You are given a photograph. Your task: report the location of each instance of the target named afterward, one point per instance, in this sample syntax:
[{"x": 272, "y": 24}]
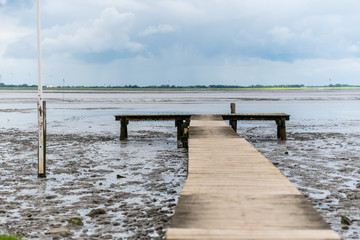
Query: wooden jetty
[
  {"x": 182, "y": 121},
  {"x": 233, "y": 192}
]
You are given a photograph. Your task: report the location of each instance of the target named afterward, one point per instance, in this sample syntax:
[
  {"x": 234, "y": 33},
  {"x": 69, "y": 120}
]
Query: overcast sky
[{"x": 182, "y": 42}]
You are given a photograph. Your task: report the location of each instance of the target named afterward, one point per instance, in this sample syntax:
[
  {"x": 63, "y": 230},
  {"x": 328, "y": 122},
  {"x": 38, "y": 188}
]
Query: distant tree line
[
  {"x": 209, "y": 86},
  {"x": 14, "y": 85},
  {"x": 2, "y": 85}
]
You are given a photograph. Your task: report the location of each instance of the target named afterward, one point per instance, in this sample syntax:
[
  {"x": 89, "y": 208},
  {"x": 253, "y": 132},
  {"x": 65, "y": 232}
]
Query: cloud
[
  {"x": 11, "y": 32},
  {"x": 187, "y": 39},
  {"x": 107, "y": 32},
  {"x": 353, "y": 48},
  {"x": 282, "y": 34},
  {"x": 161, "y": 28},
  {"x": 15, "y": 5}
]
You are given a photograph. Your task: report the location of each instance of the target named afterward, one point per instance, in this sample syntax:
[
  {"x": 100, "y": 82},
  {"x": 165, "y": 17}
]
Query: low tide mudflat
[{"x": 134, "y": 184}]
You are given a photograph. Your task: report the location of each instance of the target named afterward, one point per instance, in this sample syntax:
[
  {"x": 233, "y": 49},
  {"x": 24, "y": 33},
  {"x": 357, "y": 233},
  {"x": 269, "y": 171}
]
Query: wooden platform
[
  {"x": 234, "y": 192},
  {"x": 181, "y": 120}
]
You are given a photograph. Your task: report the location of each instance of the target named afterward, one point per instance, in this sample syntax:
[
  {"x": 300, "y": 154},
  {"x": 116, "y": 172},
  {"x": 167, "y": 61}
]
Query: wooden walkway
[{"x": 234, "y": 192}]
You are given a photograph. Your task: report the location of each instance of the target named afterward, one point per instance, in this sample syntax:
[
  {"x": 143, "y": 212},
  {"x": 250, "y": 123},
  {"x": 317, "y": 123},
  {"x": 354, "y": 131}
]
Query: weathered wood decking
[{"x": 234, "y": 192}]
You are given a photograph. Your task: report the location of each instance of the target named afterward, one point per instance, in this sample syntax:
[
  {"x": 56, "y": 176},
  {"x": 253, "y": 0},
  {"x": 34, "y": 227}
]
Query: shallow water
[{"x": 85, "y": 157}]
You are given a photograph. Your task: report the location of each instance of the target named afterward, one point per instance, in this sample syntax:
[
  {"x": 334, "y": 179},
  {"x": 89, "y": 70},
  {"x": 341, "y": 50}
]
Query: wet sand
[
  {"x": 129, "y": 190},
  {"x": 135, "y": 184}
]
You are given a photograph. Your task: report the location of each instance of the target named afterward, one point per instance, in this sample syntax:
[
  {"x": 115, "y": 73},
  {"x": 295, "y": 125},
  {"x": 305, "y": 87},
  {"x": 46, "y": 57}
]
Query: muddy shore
[
  {"x": 129, "y": 190},
  {"x": 136, "y": 183},
  {"x": 119, "y": 190}
]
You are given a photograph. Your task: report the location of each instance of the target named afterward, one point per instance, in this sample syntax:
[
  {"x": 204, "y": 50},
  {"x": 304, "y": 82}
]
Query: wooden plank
[
  {"x": 234, "y": 192},
  {"x": 234, "y": 116},
  {"x": 284, "y": 211},
  {"x": 255, "y": 116},
  {"x": 251, "y": 234},
  {"x": 153, "y": 117}
]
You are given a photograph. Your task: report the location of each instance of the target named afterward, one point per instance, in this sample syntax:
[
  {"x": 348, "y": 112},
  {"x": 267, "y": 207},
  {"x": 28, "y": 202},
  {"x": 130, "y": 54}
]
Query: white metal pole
[
  {"x": 39, "y": 51},
  {"x": 41, "y": 146}
]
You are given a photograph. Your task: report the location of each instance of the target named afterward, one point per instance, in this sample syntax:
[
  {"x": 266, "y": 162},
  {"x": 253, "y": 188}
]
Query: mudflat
[{"x": 129, "y": 189}]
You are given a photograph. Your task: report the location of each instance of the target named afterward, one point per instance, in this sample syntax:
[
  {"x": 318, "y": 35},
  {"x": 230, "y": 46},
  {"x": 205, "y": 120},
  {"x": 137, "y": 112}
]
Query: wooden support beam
[
  {"x": 255, "y": 116},
  {"x": 185, "y": 133},
  {"x": 42, "y": 142},
  {"x": 281, "y": 128},
  {"x": 278, "y": 128},
  {"x": 45, "y": 122},
  {"x": 180, "y": 129},
  {"x": 152, "y": 117},
  {"x": 123, "y": 129},
  {"x": 232, "y": 107},
  {"x": 233, "y": 123}
]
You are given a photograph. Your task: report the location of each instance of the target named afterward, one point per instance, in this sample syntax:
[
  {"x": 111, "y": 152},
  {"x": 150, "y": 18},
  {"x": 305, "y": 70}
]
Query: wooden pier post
[
  {"x": 278, "y": 128},
  {"x": 185, "y": 133},
  {"x": 233, "y": 123},
  {"x": 42, "y": 143},
  {"x": 281, "y": 128},
  {"x": 45, "y": 122},
  {"x": 123, "y": 129},
  {"x": 233, "y": 107},
  {"x": 180, "y": 129}
]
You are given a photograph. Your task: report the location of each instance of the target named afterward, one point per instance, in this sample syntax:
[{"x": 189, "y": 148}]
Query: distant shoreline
[{"x": 265, "y": 88}]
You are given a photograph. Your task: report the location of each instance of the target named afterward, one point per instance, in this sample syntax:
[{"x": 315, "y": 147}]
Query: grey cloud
[
  {"x": 198, "y": 35},
  {"x": 161, "y": 28},
  {"x": 16, "y": 4},
  {"x": 107, "y": 32}
]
